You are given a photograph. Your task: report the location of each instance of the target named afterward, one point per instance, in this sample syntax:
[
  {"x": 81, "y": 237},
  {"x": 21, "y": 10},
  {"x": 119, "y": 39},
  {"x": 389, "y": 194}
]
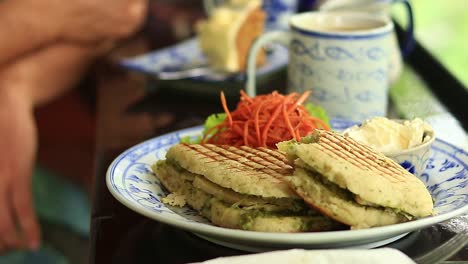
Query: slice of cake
[{"x": 225, "y": 38}]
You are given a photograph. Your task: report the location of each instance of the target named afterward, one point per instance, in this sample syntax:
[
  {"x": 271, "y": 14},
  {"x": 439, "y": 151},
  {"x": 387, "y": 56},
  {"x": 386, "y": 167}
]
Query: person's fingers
[
  {"x": 8, "y": 232},
  {"x": 25, "y": 216},
  {"x": 137, "y": 9},
  {"x": 135, "y": 15}
]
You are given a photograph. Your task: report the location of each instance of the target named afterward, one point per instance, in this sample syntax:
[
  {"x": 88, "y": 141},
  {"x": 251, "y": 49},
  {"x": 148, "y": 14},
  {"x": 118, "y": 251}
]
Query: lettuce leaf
[
  {"x": 214, "y": 120},
  {"x": 190, "y": 140},
  {"x": 211, "y": 121},
  {"x": 317, "y": 111}
]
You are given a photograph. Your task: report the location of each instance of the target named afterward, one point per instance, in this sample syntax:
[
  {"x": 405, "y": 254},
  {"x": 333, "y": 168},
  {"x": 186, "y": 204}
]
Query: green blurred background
[{"x": 442, "y": 27}]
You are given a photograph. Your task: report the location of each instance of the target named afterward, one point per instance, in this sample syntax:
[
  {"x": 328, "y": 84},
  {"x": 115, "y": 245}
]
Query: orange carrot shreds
[
  {"x": 244, "y": 96},
  {"x": 264, "y": 120},
  {"x": 301, "y": 99},
  {"x": 226, "y": 109},
  {"x": 287, "y": 121}
]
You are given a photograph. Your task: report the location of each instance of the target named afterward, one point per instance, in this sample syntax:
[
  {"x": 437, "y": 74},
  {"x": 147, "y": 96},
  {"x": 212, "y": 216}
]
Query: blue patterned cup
[
  {"x": 341, "y": 57},
  {"x": 381, "y": 8}
]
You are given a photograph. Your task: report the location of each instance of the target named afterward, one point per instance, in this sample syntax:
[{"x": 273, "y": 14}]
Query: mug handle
[
  {"x": 408, "y": 41},
  {"x": 279, "y": 37}
]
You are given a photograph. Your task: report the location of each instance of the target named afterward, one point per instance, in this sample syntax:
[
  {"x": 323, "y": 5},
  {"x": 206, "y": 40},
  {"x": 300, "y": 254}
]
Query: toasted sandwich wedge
[
  {"x": 353, "y": 184},
  {"x": 239, "y": 187}
]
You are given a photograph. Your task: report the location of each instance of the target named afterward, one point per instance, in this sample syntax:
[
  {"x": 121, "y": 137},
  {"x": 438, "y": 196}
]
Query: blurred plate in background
[{"x": 187, "y": 55}]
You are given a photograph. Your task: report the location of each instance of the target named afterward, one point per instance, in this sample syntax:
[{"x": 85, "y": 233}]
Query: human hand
[
  {"x": 18, "y": 224},
  {"x": 31, "y": 80},
  {"x": 31, "y": 25},
  {"x": 83, "y": 21},
  {"x": 90, "y": 21}
]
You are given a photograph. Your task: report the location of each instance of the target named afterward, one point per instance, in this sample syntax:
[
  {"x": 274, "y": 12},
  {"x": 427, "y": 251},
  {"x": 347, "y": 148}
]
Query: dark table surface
[{"x": 126, "y": 115}]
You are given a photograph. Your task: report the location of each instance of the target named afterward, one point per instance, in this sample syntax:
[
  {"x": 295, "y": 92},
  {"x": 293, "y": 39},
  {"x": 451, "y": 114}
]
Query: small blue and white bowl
[{"x": 414, "y": 159}]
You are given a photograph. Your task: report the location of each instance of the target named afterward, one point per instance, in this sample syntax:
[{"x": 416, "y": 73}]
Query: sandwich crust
[
  {"x": 374, "y": 179},
  {"x": 228, "y": 215},
  {"x": 337, "y": 203},
  {"x": 225, "y": 216},
  {"x": 244, "y": 200},
  {"x": 243, "y": 169}
]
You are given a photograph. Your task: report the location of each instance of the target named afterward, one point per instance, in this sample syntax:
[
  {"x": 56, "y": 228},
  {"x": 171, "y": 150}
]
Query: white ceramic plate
[
  {"x": 131, "y": 181},
  {"x": 177, "y": 57}
]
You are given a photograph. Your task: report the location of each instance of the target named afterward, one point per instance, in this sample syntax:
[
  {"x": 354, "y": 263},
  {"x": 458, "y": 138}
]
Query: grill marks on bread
[
  {"x": 375, "y": 179},
  {"x": 361, "y": 156},
  {"x": 261, "y": 160},
  {"x": 254, "y": 171}
]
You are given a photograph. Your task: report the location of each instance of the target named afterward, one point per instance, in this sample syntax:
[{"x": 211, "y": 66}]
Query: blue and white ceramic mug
[
  {"x": 341, "y": 57},
  {"x": 381, "y": 8}
]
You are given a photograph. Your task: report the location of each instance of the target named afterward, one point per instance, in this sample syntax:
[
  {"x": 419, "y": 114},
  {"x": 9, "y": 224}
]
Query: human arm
[
  {"x": 23, "y": 85},
  {"x": 44, "y": 75},
  {"x": 18, "y": 225},
  {"x": 28, "y": 25},
  {"x": 34, "y": 71},
  {"x": 21, "y": 30}
]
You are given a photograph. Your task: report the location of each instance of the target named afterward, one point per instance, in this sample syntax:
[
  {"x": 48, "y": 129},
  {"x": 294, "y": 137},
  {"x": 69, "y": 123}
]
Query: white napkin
[{"x": 329, "y": 256}]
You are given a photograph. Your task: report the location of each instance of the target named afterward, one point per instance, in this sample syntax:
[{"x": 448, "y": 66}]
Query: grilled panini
[
  {"x": 239, "y": 187},
  {"x": 352, "y": 183}
]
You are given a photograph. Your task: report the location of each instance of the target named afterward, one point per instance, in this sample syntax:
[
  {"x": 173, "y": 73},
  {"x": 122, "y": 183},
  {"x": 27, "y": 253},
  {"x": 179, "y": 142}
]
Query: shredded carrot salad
[{"x": 264, "y": 120}]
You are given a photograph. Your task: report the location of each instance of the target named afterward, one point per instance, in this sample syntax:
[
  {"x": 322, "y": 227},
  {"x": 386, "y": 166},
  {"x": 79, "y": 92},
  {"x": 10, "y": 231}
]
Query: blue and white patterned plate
[
  {"x": 131, "y": 181},
  {"x": 178, "y": 57}
]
